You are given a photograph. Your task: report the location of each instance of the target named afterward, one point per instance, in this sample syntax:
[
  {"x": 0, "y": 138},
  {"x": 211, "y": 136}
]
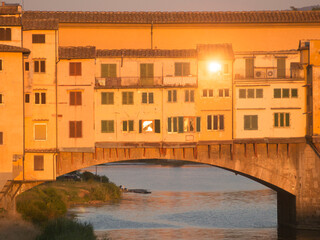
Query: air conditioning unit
[
  {"x": 259, "y": 74},
  {"x": 271, "y": 73}
]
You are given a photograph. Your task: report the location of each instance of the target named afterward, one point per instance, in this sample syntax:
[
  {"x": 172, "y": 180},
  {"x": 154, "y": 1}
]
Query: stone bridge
[{"x": 291, "y": 167}]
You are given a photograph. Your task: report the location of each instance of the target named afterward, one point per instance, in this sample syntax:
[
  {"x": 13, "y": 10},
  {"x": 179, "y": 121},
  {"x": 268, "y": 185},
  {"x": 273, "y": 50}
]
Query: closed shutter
[
  {"x": 38, "y": 163},
  {"x": 103, "y": 98},
  {"x": 36, "y": 66},
  {"x": 276, "y": 119},
  {"x": 72, "y": 98},
  {"x": 1, "y": 138},
  {"x": 175, "y": 124},
  {"x": 103, "y": 126},
  {"x": 204, "y": 92},
  {"x": 79, "y": 129},
  {"x": 169, "y": 125},
  {"x": 43, "y": 66},
  {"x": 186, "y": 96},
  {"x": 281, "y": 67},
  {"x": 157, "y": 126},
  {"x": 294, "y": 92},
  {"x": 180, "y": 124},
  {"x": 247, "y": 124},
  {"x": 110, "y": 98},
  {"x": 43, "y": 98},
  {"x": 140, "y": 126},
  {"x": 198, "y": 124},
  {"x": 130, "y": 100},
  {"x": 242, "y": 93},
  {"x": 151, "y": 97},
  {"x": 8, "y": 34},
  {"x": 221, "y": 122},
  {"x": 72, "y": 127},
  {"x": 169, "y": 96},
  {"x": 1, "y": 65},
  {"x": 259, "y": 93},
  {"x": 186, "y": 69},
  {"x": 79, "y": 70},
  {"x": 174, "y": 97},
  {"x": 111, "y": 126},
  {"x": 192, "y": 96},
  {"x": 215, "y": 122},
  {"x": 113, "y": 70},
  {"x": 249, "y": 68},
  {"x": 277, "y": 93},
  {"x": 178, "y": 69},
  {"x": 131, "y": 125},
  {"x": 254, "y": 122},
  {"x": 146, "y": 74},
  {"x": 144, "y": 97},
  {"x": 71, "y": 69},
  {"x": 285, "y": 92},
  {"x": 104, "y": 70},
  {"x": 124, "y": 98},
  {"x": 124, "y": 126},
  {"x": 281, "y": 119},
  {"x": 209, "y": 122},
  {"x": 250, "y": 93},
  {"x": 287, "y": 119},
  {"x": 37, "y": 98}
]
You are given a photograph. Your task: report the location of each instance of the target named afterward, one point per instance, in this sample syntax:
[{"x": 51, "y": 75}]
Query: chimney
[{"x": 3, "y": 4}]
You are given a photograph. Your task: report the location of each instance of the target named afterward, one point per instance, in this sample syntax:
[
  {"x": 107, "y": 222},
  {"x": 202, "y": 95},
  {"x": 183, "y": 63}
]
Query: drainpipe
[
  {"x": 56, "y": 92},
  {"x": 152, "y": 35},
  {"x": 23, "y": 104}
]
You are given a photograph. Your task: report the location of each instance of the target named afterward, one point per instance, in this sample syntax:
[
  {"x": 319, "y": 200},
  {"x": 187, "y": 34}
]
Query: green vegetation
[{"x": 65, "y": 229}]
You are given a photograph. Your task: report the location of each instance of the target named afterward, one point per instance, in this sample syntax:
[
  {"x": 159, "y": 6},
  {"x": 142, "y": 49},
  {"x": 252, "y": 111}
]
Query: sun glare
[{"x": 214, "y": 67}]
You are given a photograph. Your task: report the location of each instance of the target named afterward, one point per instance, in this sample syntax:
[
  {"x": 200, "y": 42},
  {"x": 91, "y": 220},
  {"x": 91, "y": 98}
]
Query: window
[
  {"x": 40, "y": 131},
  {"x": 1, "y": 138},
  {"x": 149, "y": 126},
  {"x": 39, "y": 66},
  {"x": 27, "y": 98},
  {"x": 281, "y": 119},
  {"x": 224, "y": 92},
  {"x": 40, "y": 98},
  {"x": 108, "y": 70},
  {"x": 75, "y": 98},
  {"x": 5, "y": 34},
  {"x": 189, "y": 95},
  {"x": 250, "y": 122},
  {"x": 281, "y": 67},
  {"x": 26, "y": 66},
  {"x": 128, "y": 126},
  {"x": 207, "y": 93},
  {"x": 0, "y": 64},
  {"x": 107, "y": 98},
  {"x": 75, "y": 129},
  {"x": 75, "y": 69},
  {"x": 173, "y": 124},
  {"x": 107, "y": 126},
  {"x": 188, "y": 124},
  {"x": 215, "y": 122},
  {"x": 251, "y": 93},
  {"x": 259, "y": 93},
  {"x": 146, "y": 74},
  {"x": 242, "y": 93},
  {"x": 285, "y": 93},
  {"x": 38, "y": 38},
  {"x": 249, "y": 67},
  {"x": 181, "y": 69},
  {"x": 147, "y": 97},
  {"x": 127, "y": 98},
  {"x": 38, "y": 162},
  {"x": 1, "y": 98},
  {"x": 172, "y": 95}
]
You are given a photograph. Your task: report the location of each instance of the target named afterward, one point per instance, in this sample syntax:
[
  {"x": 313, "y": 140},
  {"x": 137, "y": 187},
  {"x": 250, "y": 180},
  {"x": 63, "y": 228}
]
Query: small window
[
  {"x": 38, "y": 38},
  {"x": 75, "y": 98},
  {"x": 107, "y": 126},
  {"x": 281, "y": 119},
  {"x": 108, "y": 70},
  {"x": 38, "y": 162},
  {"x": 146, "y": 74},
  {"x": 1, "y": 98},
  {"x": 107, "y": 98},
  {"x": 277, "y": 93},
  {"x": 147, "y": 126},
  {"x": 189, "y": 96},
  {"x": 40, "y": 132},
  {"x": 181, "y": 69},
  {"x": 1, "y": 138},
  {"x": 0, "y": 64},
  {"x": 172, "y": 95},
  {"x": 259, "y": 93},
  {"x": 242, "y": 93},
  {"x": 204, "y": 92},
  {"x": 5, "y": 34},
  {"x": 294, "y": 92},
  {"x": 39, "y": 66},
  {"x": 75, "y": 129},
  {"x": 144, "y": 97},
  {"x": 210, "y": 92},
  {"x": 226, "y": 92},
  {"x": 128, "y": 126},
  {"x": 220, "y": 92},
  {"x": 250, "y": 122},
  {"x": 127, "y": 98},
  {"x": 27, "y": 98},
  {"x": 75, "y": 69},
  {"x": 40, "y": 98},
  {"x": 250, "y": 93},
  {"x": 215, "y": 122},
  {"x": 285, "y": 92},
  {"x": 26, "y": 66}
]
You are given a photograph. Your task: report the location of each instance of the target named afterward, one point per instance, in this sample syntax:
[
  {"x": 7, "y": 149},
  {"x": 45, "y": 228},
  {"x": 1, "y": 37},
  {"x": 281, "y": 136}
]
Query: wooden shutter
[
  {"x": 143, "y": 70},
  {"x": 276, "y": 119},
  {"x": 1, "y": 138},
  {"x": 40, "y": 132},
  {"x": 103, "y": 98},
  {"x": 125, "y": 126},
  {"x": 43, "y": 66},
  {"x": 27, "y": 66},
  {"x": 285, "y": 92},
  {"x": 144, "y": 97},
  {"x": 2, "y": 34},
  {"x": 43, "y": 98},
  {"x": 178, "y": 69},
  {"x": 72, "y": 98},
  {"x": 27, "y": 98},
  {"x": 131, "y": 125},
  {"x": 169, "y": 125},
  {"x": 78, "y": 98},
  {"x": 180, "y": 124},
  {"x": 140, "y": 126},
  {"x": 104, "y": 70},
  {"x": 78, "y": 69},
  {"x": 185, "y": 69},
  {"x": 259, "y": 93},
  {"x": 215, "y": 122},
  {"x": 175, "y": 124},
  {"x": 186, "y": 96},
  {"x": 242, "y": 93},
  {"x": 204, "y": 92},
  {"x": 281, "y": 119},
  {"x": 157, "y": 126},
  {"x": 198, "y": 124},
  {"x": 169, "y": 95},
  {"x": 79, "y": 129},
  {"x": 191, "y": 95},
  {"x": 287, "y": 119},
  {"x": 8, "y": 34},
  {"x": 277, "y": 93},
  {"x": 71, "y": 69},
  {"x": 221, "y": 122},
  {"x": 254, "y": 122},
  {"x": 103, "y": 126},
  {"x": 112, "y": 70},
  {"x": 111, "y": 126},
  {"x": 36, "y": 66},
  {"x": 37, "y": 98},
  {"x": 294, "y": 92},
  {"x": 281, "y": 67},
  {"x": 124, "y": 98},
  {"x": 249, "y": 67},
  {"x": 209, "y": 122},
  {"x": 38, "y": 162},
  {"x": 72, "y": 127},
  {"x": 174, "y": 95},
  {"x": 151, "y": 97},
  {"x": 130, "y": 98},
  {"x": 247, "y": 124},
  {"x": 111, "y": 98},
  {"x": 250, "y": 93}
]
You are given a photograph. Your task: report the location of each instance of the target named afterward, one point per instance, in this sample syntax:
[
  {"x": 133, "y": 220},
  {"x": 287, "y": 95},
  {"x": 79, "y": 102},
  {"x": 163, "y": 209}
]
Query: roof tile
[
  {"x": 143, "y": 53},
  {"x": 10, "y": 21},
  {"x": 9, "y": 48},
  {"x": 87, "y": 52},
  {"x": 41, "y": 24}
]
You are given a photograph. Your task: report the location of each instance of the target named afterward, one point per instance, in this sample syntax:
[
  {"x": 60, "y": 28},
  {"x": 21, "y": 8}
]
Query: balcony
[{"x": 137, "y": 82}]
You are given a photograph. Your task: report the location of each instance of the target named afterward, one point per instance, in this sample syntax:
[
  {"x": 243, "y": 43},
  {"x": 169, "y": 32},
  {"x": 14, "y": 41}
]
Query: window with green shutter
[
  {"x": 107, "y": 98},
  {"x": 157, "y": 128},
  {"x": 250, "y": 122},
  {"x": 107, "y": 126},
  {"x": 180, "y": 124},
  {"x": 209, "y": 122},
  {"x": 131, "y": 125},
  {"x": 169, "y": 124},
  {"x": 259, "y": 93},
  {"x": 285, "y": 92},
  {"x": 281, "y": 119},
  {"x": 242, "y": 93},
  {"x": 281, "y": 67},
  {"x": 150, "y": 97},
  {"x": 108, "y": 70},
  {"x": 250, "y": 93},
  {"x": 127, "y": 126},
  {"x": 144, "y": 97},
  {"x": 198, "y": 124},
  {"x": 181, "y": 69},
  {"x": 294, "y": 92},
  {"x": 276, "y": 119},
  {"x": 277, "y": 93},
  {"x": 249, "y": 67},
  {"x": 175, "y": 124},
  {"x": 127, "y": 98},
  {"x": 146, "y": 74},
  {"x": 287, "y": 119}
]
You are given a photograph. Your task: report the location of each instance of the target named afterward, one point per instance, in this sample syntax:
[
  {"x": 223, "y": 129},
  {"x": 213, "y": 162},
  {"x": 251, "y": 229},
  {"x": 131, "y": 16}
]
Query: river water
[{"x": 190, "y": 202}]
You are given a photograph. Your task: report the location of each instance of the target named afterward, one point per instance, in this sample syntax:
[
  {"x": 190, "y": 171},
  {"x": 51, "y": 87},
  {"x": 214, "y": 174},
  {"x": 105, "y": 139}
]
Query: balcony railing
[
  {"x": 272, "y": 73},
  {"x": 119, "y": 82}
]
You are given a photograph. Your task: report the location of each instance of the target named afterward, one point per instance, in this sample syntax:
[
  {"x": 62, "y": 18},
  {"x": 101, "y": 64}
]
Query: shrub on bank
[
  {"x": 88, "y": 176},
  {"x": 41, "y": 205},
  {"x": 66, "y": 229}
]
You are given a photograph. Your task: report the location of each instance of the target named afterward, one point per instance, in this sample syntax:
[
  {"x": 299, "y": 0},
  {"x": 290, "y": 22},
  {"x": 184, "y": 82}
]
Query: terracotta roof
[
  {"x": 10, "y": 21},
  {"x": 40, "y": 24},
  {"x": 184, "y": 53},
  {"x": 179, "y": 17},
  {"x": 9, "y": 9},
  {"x": 9, "y": 48},
  {"x": 215, "y": 51},
  {"x": 77, "y": 52}
]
